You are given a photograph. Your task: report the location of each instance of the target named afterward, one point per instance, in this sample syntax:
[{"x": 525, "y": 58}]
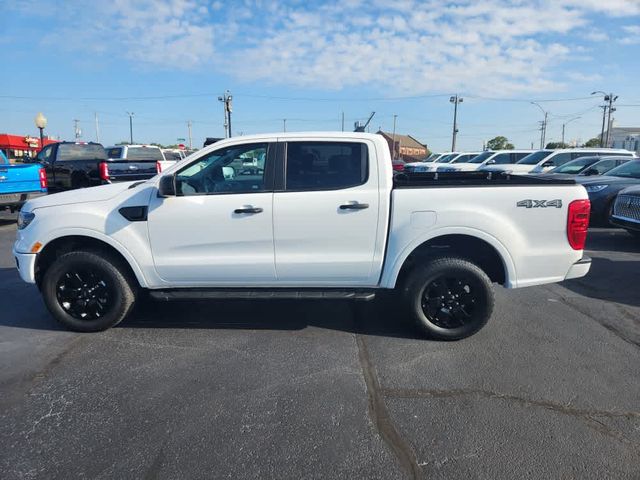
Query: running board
[{"x": 261, "y": 294}]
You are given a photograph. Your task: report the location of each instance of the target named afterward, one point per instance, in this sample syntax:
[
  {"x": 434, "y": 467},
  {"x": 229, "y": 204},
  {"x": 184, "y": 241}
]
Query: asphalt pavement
[{"x": 302, "y": 389}]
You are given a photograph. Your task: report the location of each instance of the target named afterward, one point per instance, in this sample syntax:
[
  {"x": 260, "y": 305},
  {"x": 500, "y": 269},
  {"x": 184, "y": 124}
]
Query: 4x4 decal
[{"x": 539, "y": 203}]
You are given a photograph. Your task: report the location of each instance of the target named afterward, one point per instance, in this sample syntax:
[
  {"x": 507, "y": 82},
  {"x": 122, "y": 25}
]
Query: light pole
[
  {"x": 393, "y": 140},
  {"x": 131, "y": 114},
  {"x": 566, "y": 123},
  {"x": 41, "y": 123},
  {"x": 455, "y": 100},
  {"x": 543, "y": 128}
]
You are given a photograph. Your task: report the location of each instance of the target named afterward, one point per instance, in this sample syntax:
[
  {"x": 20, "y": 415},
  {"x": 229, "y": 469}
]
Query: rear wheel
[
  {"x": 450, "y": 298},
  {"x": 88, "y": 291}
]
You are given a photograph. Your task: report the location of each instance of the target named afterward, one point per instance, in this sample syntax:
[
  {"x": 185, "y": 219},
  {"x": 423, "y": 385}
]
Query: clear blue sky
[{"x": 168, "y": 60}]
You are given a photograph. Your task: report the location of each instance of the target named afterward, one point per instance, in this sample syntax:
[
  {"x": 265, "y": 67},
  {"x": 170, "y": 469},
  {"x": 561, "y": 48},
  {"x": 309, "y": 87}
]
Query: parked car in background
[
  {"x": 324, "y": 218},
  {"x": 626, "y": 210},
  {"x": 603, "y": 189},
  {"x": 487, "y": 158},
  {"x": 141, "y": 153},
  {"x": 589, "y": 165},
  {"x": 443, "y": 159},
  {"x": 544, "y": 160},
  {"x": 174, "y": 154},
  {"x": 19, "y": 183},
  {"x": 71, "y": 165}
]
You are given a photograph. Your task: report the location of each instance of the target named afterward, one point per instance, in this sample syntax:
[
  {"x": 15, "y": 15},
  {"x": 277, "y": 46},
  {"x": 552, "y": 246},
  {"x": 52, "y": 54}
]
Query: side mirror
[
  {"x": 167, "y": 186},
  {"x": 491, "y": 162},
  {"x": 548, "y": 163},
  {"x": 590, "y": 171}
]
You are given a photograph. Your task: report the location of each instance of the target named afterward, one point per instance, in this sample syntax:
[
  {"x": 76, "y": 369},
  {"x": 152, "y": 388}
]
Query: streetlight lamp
[
  {"x": 41, "y": 123},
  {"x": 543, "y": 127},
  {"x": 455, "y": 100},
  {"x": 566, "y": 123}
]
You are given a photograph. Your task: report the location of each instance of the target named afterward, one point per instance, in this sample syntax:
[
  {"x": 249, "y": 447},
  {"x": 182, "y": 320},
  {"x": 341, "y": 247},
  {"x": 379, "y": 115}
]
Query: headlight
[
  {"x": 595, "y": 188},
  {"x": 24, "y": 219}
]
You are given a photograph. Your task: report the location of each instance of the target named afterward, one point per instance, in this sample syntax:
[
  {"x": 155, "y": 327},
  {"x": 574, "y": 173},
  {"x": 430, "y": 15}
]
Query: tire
[
  {"x": 452, "y": 317},
  {"x": 88, "y": 291}
]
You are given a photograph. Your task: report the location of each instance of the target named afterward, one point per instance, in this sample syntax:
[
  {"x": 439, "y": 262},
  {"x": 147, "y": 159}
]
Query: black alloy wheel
[
  {"x": 85, "y": 294},
  {"x": 450, "y": 301}
]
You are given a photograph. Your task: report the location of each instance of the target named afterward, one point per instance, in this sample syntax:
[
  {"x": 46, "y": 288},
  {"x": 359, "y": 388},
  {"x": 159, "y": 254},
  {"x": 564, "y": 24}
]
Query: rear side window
[
  {"x": 517, "y": 156},
  {"x": 326, "y": 165},
  {"x": 502, "y": 158}
]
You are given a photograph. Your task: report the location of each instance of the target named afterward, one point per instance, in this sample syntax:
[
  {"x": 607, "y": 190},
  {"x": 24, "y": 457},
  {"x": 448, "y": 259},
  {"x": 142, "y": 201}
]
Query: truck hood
[{"x": 82, "y": 195}]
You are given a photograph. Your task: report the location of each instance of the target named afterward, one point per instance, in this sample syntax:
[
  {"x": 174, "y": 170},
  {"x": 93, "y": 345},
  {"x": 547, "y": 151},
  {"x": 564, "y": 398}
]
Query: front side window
[
  {"x": 560, "y": 159},
  {"x": 236, "y": 169},
  {"x": 326, "y": 165},
  {"x": 604, "y": 166},
  {"x": 502, "y": 159}
]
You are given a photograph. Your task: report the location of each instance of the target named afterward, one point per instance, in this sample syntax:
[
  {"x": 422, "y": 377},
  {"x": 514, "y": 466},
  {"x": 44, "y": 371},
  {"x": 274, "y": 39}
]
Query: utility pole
[
  {"x": 97, "y": 128},
  {"x": 76, "y": 128},
  {"x": 227, "y": 100},
  {"x": 190, "y": 138},
  {"x": 343, "y": 121},
  {"x": 284, "y": 124},
  {"x": 131, "y": 114},
  {"x": 393, "y": 153},
  {"x": 606, "y": 115},
  {"x": 543, "y": 124},
  {"x": 455, "y": 100}
]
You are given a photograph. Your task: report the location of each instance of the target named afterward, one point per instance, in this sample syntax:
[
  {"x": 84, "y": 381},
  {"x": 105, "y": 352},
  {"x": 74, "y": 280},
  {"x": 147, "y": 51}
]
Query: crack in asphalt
[
  {"x": 380, "y": 417},
  {"x": 589, "y": 416}
]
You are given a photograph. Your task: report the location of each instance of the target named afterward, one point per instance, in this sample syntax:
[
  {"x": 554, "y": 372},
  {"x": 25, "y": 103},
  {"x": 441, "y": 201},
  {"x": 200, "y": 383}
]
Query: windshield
[
  {"x": 89, "y": 151},
  {"x": 144, "y": 153},
  {"x": 628, "y": 170},
  {"x": 482, "y": 157},
  {"x": 535, "y": 157},
  {"x": 575, "y": 166}
]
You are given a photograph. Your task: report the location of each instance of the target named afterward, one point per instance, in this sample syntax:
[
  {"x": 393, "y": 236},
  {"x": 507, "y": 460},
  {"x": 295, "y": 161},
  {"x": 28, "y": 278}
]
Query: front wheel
[
  {"x": 450, "y": 298},
  {"x": 88, "y": 291}
]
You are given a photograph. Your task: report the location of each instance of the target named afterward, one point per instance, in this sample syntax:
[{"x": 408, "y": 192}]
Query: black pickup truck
[{"x": 71, "y": 165}]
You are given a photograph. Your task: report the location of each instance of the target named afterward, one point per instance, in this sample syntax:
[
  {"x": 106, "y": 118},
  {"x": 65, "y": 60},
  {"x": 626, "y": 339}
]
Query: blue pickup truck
[{"x": 19, "y": 183}]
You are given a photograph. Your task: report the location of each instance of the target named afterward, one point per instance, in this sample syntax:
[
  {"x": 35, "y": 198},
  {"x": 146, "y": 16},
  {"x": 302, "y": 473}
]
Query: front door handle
[
  {"x": 248, "y": 210},
  {"x": 354, "y": 206}
]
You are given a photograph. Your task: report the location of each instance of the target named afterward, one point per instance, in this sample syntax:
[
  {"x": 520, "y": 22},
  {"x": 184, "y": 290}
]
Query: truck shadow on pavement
[
  {"x": 380, "y": 317},
  {"x": 610, "y": 280},
  {"x": 611, "y": 240}
]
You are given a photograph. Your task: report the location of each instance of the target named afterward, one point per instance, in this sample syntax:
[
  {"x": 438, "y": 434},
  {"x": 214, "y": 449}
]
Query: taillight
[
  {"x": 398, "y": 167},
  {"x": 158, "y": 167},
  {"x": 42, "y": 174},
  {"x": 104, "y": 171},
  {"x": 578, "y": 223}
]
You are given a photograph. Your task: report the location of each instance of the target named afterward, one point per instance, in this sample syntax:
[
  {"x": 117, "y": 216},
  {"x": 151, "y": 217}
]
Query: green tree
[
  {"x": 499, "y": 143},
  {"x": 594, "y": 142},
  {"x": 557, "y": 145}
]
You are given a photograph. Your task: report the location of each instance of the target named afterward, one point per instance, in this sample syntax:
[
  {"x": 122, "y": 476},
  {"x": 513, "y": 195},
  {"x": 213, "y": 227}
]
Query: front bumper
[
  {"x": 625, "y": 223},
  {"x": 26, "y": 264},
  {"x": 579, "y": 269}
]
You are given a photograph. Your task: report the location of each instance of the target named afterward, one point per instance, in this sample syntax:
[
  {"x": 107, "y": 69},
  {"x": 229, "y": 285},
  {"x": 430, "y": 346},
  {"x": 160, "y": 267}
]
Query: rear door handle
[
  {"x": 248, "y": 210},
  {"x": 354, "y": 206}
]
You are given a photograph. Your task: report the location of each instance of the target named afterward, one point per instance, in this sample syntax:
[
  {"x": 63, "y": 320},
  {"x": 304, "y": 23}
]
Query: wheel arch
[
  {"x": 85, "y": 241},
  {"x": 477, "y": 246}
]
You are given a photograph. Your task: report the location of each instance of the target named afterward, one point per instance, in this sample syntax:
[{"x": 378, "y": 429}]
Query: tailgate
[
  {"x": 19, "y": 178},
  {"x": 125, "y": 171}
]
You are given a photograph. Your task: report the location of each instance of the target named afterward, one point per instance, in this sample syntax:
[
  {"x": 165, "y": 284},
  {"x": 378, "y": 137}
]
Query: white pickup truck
[{"x": 323, "y": 218}]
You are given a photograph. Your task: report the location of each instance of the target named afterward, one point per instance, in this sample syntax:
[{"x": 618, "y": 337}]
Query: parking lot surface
[{"x": 549, "y": 389}]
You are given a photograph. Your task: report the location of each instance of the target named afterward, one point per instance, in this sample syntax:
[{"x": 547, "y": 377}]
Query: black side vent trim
[{"x": 134, "y": 214}]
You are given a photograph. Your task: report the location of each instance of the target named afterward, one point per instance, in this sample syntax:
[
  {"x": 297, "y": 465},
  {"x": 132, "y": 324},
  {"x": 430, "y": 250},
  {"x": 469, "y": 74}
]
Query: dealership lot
[{"x": 329, "y": 389}]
